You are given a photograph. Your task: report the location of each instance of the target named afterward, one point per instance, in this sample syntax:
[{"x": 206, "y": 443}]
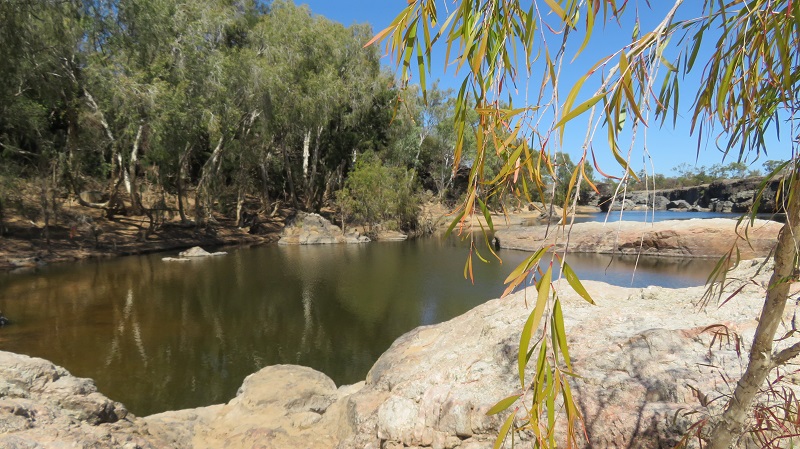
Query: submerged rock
[{"x": 646, "y": 358}]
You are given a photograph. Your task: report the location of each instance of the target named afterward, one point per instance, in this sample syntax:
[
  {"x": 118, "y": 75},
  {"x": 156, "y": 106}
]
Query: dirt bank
[{"x": 84, "y": 233}]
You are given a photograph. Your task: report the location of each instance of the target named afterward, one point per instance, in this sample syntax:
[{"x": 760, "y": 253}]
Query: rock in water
[{"x": 199, "y": 252}]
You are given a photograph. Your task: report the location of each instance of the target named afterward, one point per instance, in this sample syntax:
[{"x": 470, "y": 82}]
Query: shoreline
[{"x": 19, "y": 252}]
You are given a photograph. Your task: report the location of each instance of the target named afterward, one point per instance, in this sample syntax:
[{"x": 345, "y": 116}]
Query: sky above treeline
[{"x": 658, "y": 149}]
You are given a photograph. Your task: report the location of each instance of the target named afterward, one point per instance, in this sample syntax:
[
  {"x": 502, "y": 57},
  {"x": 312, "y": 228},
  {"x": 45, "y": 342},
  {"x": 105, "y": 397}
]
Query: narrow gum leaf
[
  {"x": 453, "y": 224},
  {"x": 557, "y": 9},
  {"x": 560, "y": 332},
  {"x": 580, "y": 109},
  {"x": 486, "y": 215},
  {"x": 533, "y": 322},
  {"x": 576, "y": 284},
  {"x": 502, "y": 405},
  {"x": 501, "y": 436}
]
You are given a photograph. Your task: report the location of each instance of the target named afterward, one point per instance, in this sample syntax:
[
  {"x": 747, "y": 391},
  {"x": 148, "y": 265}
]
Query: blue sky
[{"x": 667, "y": 147}]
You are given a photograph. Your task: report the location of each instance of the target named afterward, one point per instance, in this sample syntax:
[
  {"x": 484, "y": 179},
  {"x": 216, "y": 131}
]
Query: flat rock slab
[{"x": 673, "y": 238}]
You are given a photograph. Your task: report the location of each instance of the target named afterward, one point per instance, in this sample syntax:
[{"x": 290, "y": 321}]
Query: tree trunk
[
  {"x": 289, "y": 177},
  {"x": 2, "y": 219},
  {"x": 130, "y": 181},
  {"x": 306, "y": 146},
  {"x": 182, "y": 162},
  {"x": 311, "y": 184},
  {"x": 416, "y": 158},
  {"x": 762, "y": 361},
  {"x": 116, "y": 157},
  {"x": 264, "y": 171},
  {"x": 45, "y": 210},
  {"x": 202, "y": 194}
]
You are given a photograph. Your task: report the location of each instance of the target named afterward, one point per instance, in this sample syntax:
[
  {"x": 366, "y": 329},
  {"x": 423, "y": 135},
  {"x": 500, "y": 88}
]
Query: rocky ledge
[
  {"x": 647, "y": 359},
  {"x": 672, "y": 238},
  {"x": 729, "y": 195}
]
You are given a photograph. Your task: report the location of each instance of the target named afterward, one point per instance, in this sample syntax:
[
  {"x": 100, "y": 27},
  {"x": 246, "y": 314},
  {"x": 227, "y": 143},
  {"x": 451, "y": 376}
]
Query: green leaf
[
  {"x": 557, "y": 9},
  {"x": 501, "y": 436},
  {"x": 560, "y": 333},
  {"x": 454, "y": 223},
  {"x": 580, "y": 109},
  {"x": 533, "y": 322},
  {"x": 486, "y": 215},
  {"x": 502, "y": 405},
  {"x": 576, "y": 284}
]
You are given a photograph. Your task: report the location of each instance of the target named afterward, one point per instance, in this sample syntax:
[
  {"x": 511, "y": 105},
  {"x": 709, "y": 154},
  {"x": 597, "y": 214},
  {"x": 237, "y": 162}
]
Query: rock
[
  {"x": 684, "y": 238},
  {"x": 355, "y": 237},
  {"x": 641, "y": 354},
  {"x": 624, "y": 204},
  {"x": 193, "y": 253},
  {"x": 279, "y": 406},
  {"x": 735, "y": 195},
  {"x": 678, "y": 205},
  {"x": 199, "y": 252},
  {"x": 720, "y": 206},
  {"x": 42, "y": 405},
  {"x": 26, "y": 262},
  {"x": 93, "y": 196},
  {"x": 313, "y": 229},
  {"x": 391, "y": 236}
]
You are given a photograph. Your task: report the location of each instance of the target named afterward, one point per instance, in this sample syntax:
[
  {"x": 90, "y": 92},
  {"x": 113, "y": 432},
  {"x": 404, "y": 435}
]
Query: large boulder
[
  {"x": 678, "y": 205},
  {"x": 42, "y": 406},
  {"x": 313, "y": 229}
]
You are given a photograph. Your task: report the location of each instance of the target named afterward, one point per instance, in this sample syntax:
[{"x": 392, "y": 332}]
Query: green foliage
[
  {"x": 378, "y": 194},
  {"x": 238, "y": 98}
]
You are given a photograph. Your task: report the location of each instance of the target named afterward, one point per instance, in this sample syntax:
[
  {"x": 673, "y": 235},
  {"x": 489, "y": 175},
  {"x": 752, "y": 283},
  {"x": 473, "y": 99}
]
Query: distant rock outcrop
[
  {"x": 645, "y": 357},
  {"x": 313, "y": 229},
  {"x": 732, "y": 195}
]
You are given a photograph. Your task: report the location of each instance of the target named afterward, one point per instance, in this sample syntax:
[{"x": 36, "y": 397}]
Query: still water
[{"x": 161, "y": 335}]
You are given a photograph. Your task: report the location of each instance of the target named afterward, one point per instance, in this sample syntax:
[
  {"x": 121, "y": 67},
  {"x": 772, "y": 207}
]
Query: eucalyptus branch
[{"x": 785, "y": 355}]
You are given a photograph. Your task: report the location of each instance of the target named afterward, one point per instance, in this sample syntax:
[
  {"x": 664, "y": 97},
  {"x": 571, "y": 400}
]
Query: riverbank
[
  {"x": 84, "y": 233},
  {"x": 645, "y": 356},
  {"x": 25, "y": 244}
]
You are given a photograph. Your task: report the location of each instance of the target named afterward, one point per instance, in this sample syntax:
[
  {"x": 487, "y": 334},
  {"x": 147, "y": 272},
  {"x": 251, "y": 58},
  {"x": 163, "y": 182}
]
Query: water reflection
[{"x": 158, "y": 335}]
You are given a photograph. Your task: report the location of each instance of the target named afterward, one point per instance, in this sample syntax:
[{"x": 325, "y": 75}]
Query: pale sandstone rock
[
  {"x": 313, "y": 229},
  {"x": 672, "y": 238},
  {"x": 199, "y": 252}
]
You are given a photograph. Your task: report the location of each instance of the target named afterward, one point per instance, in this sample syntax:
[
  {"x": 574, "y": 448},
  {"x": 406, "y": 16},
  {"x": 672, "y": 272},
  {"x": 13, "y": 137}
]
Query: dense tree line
[{"x": 202, "y": 107}]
